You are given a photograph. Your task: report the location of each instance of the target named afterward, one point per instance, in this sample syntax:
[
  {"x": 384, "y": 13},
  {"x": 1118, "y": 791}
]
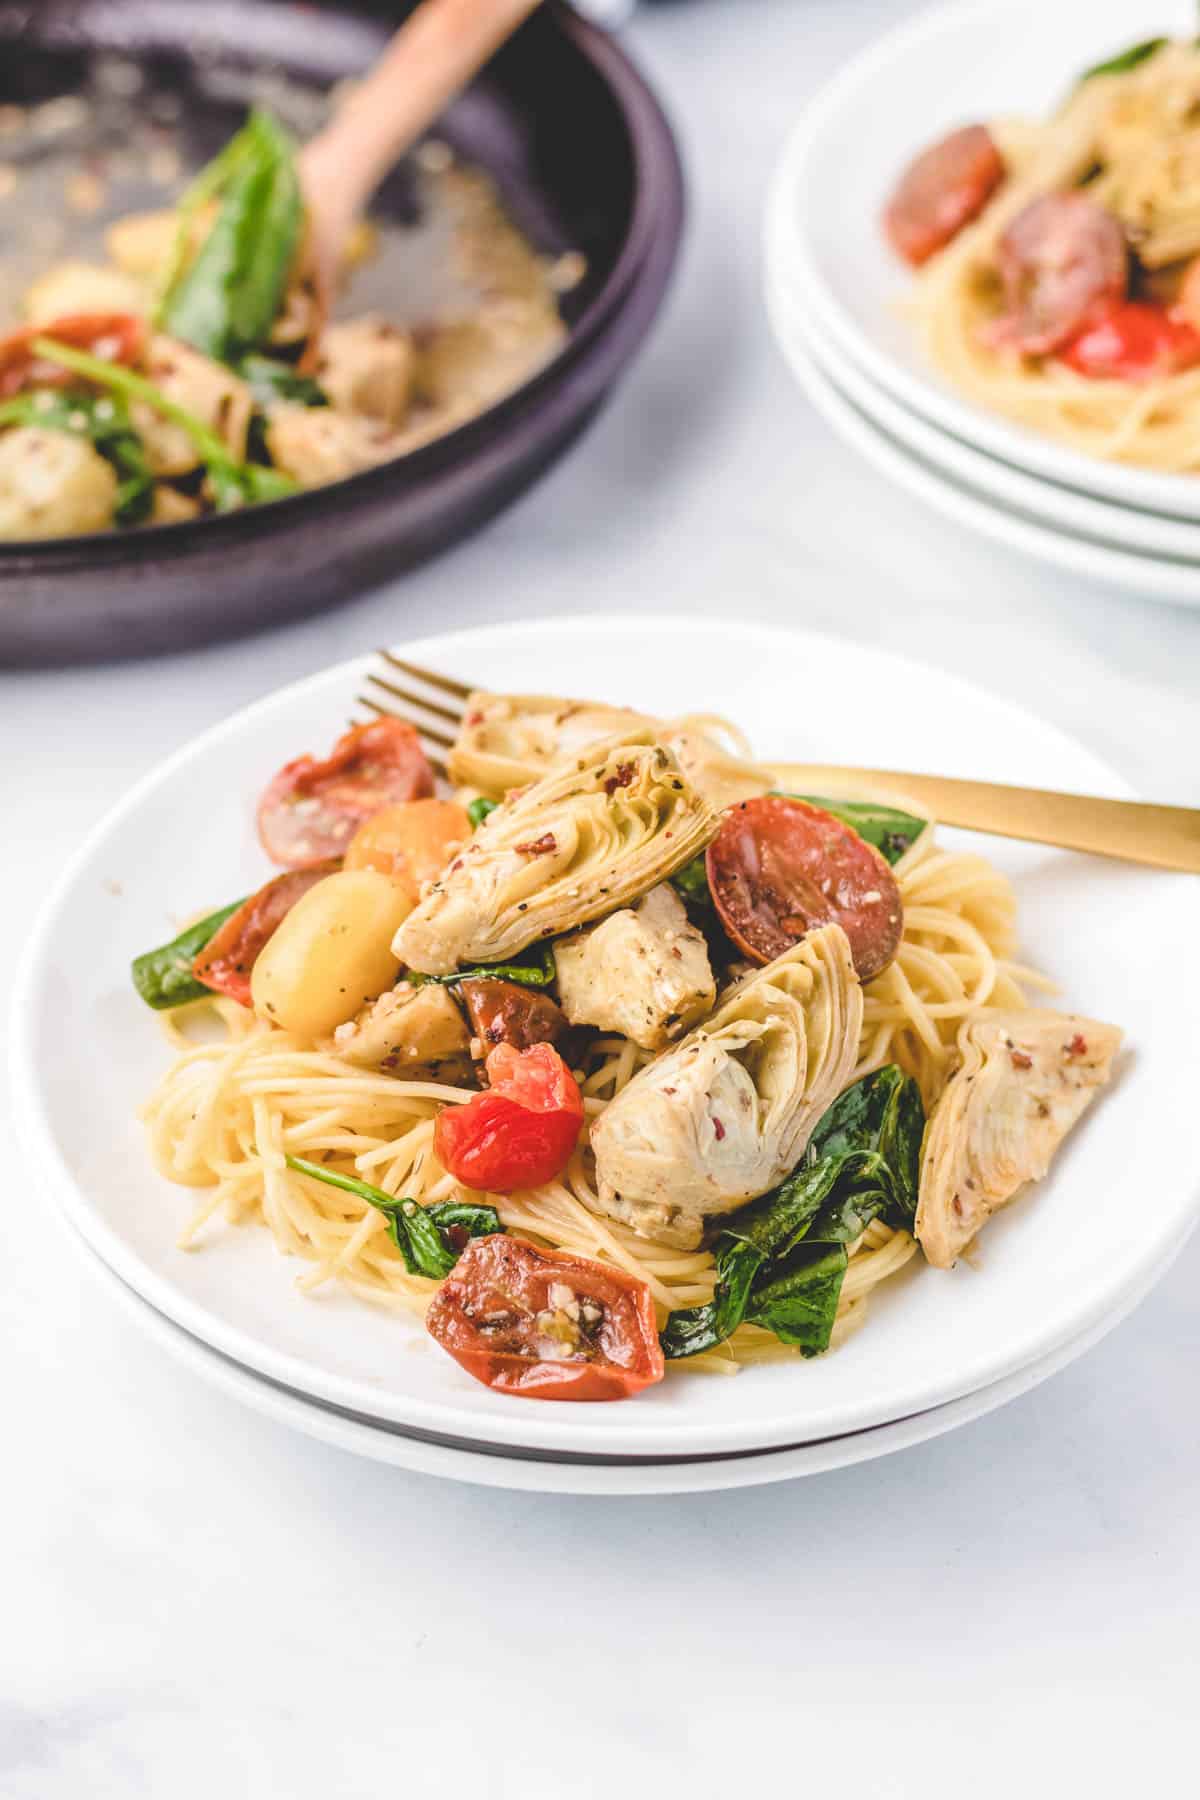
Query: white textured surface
[{"x": 197, "y": 1604}]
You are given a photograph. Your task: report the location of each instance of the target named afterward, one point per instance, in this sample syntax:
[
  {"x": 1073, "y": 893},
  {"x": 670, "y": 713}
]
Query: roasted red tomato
[
  {"x": 226, "y": 960},
  {"x": 312, "y": 809},
  {"x": 546, "y": 1324},
  {"x": 1135, "y": 342},
  {"x": 942, "y": 190},
  {"x": 117, "y": 337},
  {"x": 779, "y": 867},
  {"x": 502, "y": 1012},
  {"x": 520, "y": 1131}
]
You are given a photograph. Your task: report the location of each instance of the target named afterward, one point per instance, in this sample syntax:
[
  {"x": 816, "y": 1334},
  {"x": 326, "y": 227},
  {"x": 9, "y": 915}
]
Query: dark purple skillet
[{"x": 584, "y": 159}]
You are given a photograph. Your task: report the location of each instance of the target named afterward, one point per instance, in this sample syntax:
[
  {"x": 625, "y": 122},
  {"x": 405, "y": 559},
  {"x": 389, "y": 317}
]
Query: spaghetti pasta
[{"x": 235, "y": 1104}]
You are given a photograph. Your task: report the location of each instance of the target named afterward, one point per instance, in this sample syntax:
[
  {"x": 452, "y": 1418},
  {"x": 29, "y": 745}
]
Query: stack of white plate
[
  {"x": 1058, "y": 1268},
  {"x": 836, "y": 292}
]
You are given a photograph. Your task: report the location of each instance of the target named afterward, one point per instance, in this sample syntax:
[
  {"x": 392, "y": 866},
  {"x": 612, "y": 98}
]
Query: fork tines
[{"x": 429, "y": 715}]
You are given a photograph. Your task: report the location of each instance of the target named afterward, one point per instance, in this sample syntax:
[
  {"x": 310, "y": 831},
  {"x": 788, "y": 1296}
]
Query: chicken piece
[
  {"x": 316, "y": 444},
  {"x": 504, "y": 1012},
  {"x": 1023, "y": 1080},
  {"x": 220, "y": 399},
  {"x": 572, "y": 848},
  {"x": 643, "y": 971},
  {"x": 53, "y": 484},
  {"x": 414, "y": 1032},
  {"x": 171, "y": 507},
  {"x": 507, "y": 740},
  {"x": 76, "y": 287},
  {"x": 725, "y": 1115},
  {"x": 366, "y": 368}
]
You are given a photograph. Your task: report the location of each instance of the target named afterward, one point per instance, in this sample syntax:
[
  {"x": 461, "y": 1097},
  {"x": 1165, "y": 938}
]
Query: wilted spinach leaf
[{"x": 429, "y": 1238}]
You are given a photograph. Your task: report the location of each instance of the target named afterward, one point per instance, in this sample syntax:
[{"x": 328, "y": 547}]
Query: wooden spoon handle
[{"x": 432, "y": 57}]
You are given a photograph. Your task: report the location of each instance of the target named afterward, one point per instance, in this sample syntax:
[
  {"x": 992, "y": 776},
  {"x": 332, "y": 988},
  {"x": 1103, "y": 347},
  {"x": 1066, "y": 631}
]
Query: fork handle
[{"x": 1162, "y": 837}]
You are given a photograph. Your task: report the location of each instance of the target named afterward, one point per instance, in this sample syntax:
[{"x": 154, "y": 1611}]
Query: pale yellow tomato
[{"x": 332, "y": 954}]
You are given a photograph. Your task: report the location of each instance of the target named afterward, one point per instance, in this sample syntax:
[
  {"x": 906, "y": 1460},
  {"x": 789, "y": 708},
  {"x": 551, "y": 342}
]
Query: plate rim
[
  {"x": 1128, "y": 572},
  {"x": 398, "y": 1449},
  {"x": 1137, "y": 489},
  {"x": 1058, "y": 508},
  {"x": 537, "y": 1431}
]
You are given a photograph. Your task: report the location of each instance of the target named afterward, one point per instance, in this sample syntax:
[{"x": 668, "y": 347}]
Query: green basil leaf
[
  {"x": 419, "y": 1233},
  {"x": 536, "y": 970},
  {"x": 891, "y": 831},
  {"x": 225, "y": 303},
  {"x": 164, "y": 978},
  {"x": 799, "y": 1301},
  {"x": 480, "y": 809},
  {"x": 1125, "y": 59},
  {"x": 103, "y": 421}
]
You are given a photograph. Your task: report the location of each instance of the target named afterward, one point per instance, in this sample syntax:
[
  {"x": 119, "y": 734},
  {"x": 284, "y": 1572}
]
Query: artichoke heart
[
  {"x": 507, "y": 740},
  {"x": 726, "y": 1114},
  {"x": 1023, "y": 1080},
  {"x": 574, "y": 847}
]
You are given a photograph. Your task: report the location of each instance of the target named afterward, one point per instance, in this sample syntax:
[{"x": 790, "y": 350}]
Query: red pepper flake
[
  {"x": 623, "y": 777},
  {"x": 1077, "y": 1046},
  {"x": 546, "y": 845},
  {"x": 719, "y": 1129},
  {"x": 474, "y": 718},
  {"x": 1020, "y": 1060}
]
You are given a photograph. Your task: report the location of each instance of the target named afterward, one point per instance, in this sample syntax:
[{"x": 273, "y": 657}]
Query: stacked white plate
[
  {"x": 836, "y": 292},
  {"x": 1059, "y": 1268}
]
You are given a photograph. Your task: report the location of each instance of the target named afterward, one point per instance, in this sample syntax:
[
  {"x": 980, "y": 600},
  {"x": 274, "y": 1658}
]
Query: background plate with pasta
[
  {"x": 997, "y": 59},
  {"x": 1052, "y": 1267}
]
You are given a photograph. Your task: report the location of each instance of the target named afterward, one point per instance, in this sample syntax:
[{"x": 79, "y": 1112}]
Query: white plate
[
  {"x": 1175, "y": 582},
  {"x": 1058, "y": 508},
  {"x": 542, "y": 1474},
  {"x": 955, "y": 64},
  {"x": 85, "y": 1052}
]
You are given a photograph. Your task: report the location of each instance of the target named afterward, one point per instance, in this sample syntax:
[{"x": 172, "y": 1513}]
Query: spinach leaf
[
  {"x": 164, "y": 978},
  {"x": 225, "y": 303},
  {"x": 892, "y": 832},
  {"x": 103, "y": 420},
  {"x": 1125, "y": 59},
  {"x": 270, "y": 380},
  {"x": 780, "y": 1260},
  {"x": 234, "y": 484},
  {"x": 536, "y": 969},
  {"x": 691, "y": 882},
  {"x": 427, "y": 1237},
  {"x": 798, "y": 1300},
  {"x": 481, "y": 809}
]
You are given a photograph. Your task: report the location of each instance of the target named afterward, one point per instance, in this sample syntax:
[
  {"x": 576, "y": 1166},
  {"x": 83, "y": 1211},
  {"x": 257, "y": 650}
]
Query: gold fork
[{"x": 1160, "y": 837}]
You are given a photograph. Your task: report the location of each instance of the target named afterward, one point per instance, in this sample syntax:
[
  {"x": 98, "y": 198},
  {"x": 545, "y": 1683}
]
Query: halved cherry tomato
[
  {"x": 117, "y": 337},
  {"x": 227, "y": 959},
  {"x": 521, "y": 1131},
  {"x": 942, "y": 189},
  {"x": 411, "y": 842},
  {"x": 312, "y": 809},
  {"x": 778, "y": 868},
  {"x": 546, "y": 1324},
  {"x": 1134, "y": 342}
]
